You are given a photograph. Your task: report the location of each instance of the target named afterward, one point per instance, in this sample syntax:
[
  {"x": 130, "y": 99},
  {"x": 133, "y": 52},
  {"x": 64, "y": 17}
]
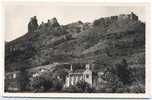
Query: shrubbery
[
  {"x": 46, "y": 83},
  {"x": 80, "y": 87},
  {"x": 23, "y": 79},
  {"x": 123, "y": 72}
]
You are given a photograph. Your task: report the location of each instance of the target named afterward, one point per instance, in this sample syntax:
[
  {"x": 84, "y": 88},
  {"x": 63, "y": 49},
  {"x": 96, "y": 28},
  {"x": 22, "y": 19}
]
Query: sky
[{"x": 17, "y": 14}]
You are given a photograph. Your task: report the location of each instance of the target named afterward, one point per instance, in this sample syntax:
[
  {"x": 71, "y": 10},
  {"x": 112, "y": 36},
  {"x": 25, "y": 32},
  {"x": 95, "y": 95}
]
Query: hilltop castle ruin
[
  {"x": 51, "y": 23},
  {"x": 108, "y": 20}
]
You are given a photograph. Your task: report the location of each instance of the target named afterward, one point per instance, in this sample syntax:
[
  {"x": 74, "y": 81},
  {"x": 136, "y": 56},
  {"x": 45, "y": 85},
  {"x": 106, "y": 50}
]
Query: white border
[{"x": 88, "y": 95}]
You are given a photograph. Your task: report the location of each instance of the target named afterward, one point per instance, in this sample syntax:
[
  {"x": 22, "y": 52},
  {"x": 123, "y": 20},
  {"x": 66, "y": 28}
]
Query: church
[{"x": 74, "y": 77}]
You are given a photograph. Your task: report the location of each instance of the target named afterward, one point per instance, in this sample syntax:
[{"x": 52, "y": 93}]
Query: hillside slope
[{"x": 104, "y": 42}]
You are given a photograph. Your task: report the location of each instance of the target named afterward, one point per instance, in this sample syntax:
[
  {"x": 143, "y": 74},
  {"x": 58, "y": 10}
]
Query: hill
[{"x": 104, "y": 42}]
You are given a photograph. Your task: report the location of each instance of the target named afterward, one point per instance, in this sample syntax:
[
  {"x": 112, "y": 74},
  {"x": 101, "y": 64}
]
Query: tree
[
  {"x": 41, "y": 84},
  {"x": 83, "y": 86},
  {"x": 23, "y": 79},
  {"x": 123, "y": 72},
  {"x": 80, "y": 87},
  {"x": 46, "y": 82},
  {"x": 57, "y": 84}
]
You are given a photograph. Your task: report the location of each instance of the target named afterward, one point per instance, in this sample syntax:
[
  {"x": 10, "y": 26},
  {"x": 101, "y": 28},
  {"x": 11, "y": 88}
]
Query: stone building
[
  {"x": 74, "y": 77},
  {"x": 11, "y": 83}
]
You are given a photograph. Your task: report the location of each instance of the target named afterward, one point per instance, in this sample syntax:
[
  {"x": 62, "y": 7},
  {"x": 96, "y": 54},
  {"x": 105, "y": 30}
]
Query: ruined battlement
[
  {"x": 107, "y": 20},
  {"x": 131, "y": 16}
]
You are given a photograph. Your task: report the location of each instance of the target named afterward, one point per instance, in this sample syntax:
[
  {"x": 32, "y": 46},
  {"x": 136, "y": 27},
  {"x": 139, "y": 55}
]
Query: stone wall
[{"x": 108, "y": 20}]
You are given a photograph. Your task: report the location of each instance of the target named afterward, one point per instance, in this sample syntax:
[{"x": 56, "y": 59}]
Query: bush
[
  {"x": 23, "y": 79},
  {"x": 45, "y": 83},
  {"x": 123, "y": 72},
  {"x": 57, "y": 84},
  {"x": 72, "y": 89},
  {"x": 138, "y": 88},
  {"x": 80, "y": 87},
  {"x": 84, "y": 86},
  {"x": 92, "y": 38},
  {"x": 40, "y": 84}
]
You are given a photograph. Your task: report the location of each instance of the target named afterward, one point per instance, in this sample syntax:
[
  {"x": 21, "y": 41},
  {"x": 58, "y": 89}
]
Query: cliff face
[{"x": 106, "y": 41}]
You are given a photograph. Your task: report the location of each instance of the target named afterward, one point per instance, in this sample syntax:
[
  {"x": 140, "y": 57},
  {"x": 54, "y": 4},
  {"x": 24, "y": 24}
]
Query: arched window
[{"x": 87, "y": 75}]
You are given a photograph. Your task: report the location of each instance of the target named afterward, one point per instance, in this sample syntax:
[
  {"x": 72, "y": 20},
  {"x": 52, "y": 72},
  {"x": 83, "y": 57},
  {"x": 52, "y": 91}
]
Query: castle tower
[
  {"x": 87, "y": 74},
  {"x": 87, "y": 66}
]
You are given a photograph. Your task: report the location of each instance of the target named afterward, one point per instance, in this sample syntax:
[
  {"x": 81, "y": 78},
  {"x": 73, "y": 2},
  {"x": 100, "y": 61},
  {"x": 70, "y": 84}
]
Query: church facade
[{"x": 82, "y": 75}]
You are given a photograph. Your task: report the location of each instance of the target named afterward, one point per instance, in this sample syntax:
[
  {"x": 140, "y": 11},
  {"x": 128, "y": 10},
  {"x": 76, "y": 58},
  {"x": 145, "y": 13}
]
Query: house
[
  {"x": 74, "y": 77},
  {"x": 11, "y": 83}
]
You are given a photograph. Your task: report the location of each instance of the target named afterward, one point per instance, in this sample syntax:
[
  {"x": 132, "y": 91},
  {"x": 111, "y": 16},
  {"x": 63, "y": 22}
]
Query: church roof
[{"x": 78, "y": 71}]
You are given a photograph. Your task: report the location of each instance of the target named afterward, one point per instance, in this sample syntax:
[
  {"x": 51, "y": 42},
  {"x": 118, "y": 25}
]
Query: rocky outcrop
[{"x": 54, "y": 23}]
